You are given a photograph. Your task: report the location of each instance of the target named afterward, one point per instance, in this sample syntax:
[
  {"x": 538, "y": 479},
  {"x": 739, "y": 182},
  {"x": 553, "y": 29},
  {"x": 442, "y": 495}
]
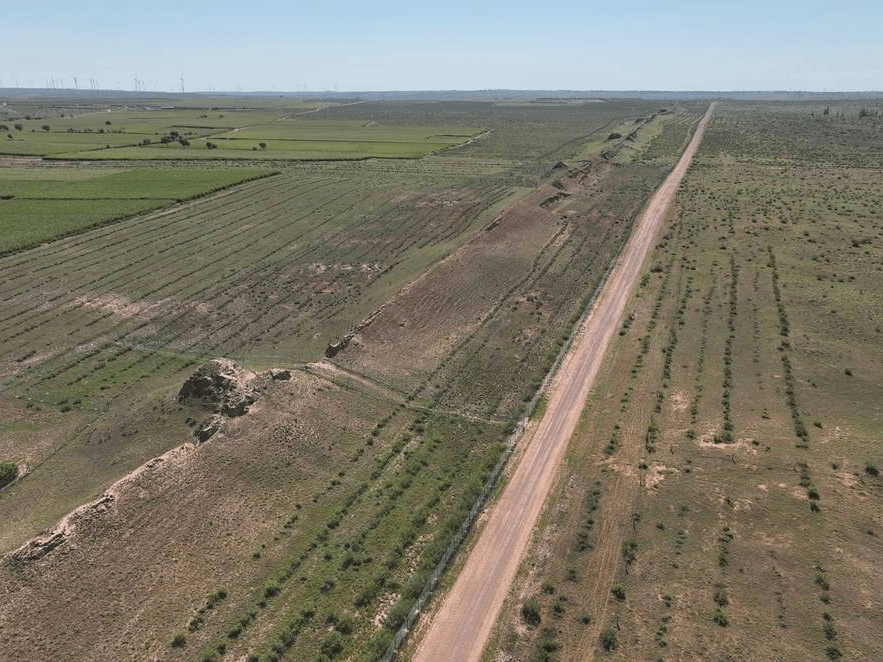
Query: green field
[
  {"x": 39, "y": 204},
  {"x": 168, "y": 133}
]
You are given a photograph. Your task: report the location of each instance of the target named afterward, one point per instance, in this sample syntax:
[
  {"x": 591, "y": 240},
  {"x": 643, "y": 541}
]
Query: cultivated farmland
[{"x": 410, "y": 276}]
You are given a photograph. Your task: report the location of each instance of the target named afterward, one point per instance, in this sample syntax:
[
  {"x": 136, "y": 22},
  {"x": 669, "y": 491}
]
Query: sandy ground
[{"x": 463, "y": 623}]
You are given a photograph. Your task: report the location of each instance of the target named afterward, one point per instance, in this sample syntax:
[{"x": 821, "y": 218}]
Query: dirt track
[{"x": 463, "y": 623}]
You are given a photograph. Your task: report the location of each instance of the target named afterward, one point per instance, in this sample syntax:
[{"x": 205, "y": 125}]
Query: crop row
[{"x": 784, "y": 331}]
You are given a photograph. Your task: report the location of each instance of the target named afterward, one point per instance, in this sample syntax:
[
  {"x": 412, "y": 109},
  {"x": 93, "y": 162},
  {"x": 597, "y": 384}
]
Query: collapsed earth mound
[{"x": 221, "y": 386}]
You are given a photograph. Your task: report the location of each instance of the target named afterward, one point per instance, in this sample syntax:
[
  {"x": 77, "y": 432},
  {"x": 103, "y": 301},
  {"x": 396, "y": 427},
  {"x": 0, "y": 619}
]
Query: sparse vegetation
[{"x": 760, "y": 294}]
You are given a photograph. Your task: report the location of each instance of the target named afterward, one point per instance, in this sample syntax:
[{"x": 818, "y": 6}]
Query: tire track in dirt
[{"x": 464, "y": 621}]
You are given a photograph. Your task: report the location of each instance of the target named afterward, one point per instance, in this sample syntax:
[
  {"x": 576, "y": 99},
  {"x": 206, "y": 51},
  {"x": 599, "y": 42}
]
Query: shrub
[
  {"x": 332, "y": 645},
  {"x": 397, "y": 614},
  {"x": 870, "y": 469},
  {"x": 271, "y": 590},
  {"x": 345, "y": 625},
  {"x": 179, "y": 640},
  {"x": 618, "y": 591},
  {"x": 720, "y": 617},
  {"x": 530, "y": 612},
  {"x": 833, "y": 653},
  {"x": 8, "y": 473},
  {"x": 608, "y": 640}
]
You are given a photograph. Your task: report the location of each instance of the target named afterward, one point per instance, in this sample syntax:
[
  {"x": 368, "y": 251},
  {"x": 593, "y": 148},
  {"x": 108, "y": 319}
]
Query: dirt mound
[
  {"x": 334, "y": 347},
  {"x": 221, "y": 386}
]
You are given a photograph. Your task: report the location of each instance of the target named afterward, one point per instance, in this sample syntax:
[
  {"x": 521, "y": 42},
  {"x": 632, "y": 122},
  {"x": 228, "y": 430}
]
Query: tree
[
  {"x": 45, "y": 127},
  {"x": 263, "y": 145},
  {"x": 18, "y": 126}
]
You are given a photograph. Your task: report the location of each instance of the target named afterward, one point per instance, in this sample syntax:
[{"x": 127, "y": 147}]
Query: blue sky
[{"x": 384, "y": 45}]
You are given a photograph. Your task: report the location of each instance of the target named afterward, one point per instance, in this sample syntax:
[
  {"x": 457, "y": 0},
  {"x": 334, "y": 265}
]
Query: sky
[{"x": 455, "y": 45}]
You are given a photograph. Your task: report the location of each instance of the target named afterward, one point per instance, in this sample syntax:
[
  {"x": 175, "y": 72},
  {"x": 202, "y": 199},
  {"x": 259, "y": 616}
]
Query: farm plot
[
  {"x": 722, "y": 498},
  {"x": 48, "y": 134},
  {"x": 40, "y": 204},
  {"x": 238, "y": 134}
]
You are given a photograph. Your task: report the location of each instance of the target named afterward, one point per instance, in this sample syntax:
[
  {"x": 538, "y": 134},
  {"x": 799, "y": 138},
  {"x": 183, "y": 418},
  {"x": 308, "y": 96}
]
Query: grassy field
[
  {"x": 722, "y": 499},
  {"x": 306, "y": 528}
]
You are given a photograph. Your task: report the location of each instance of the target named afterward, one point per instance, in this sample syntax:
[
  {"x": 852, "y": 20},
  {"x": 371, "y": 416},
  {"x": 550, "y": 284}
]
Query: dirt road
[{"x": 464, "y": 621}]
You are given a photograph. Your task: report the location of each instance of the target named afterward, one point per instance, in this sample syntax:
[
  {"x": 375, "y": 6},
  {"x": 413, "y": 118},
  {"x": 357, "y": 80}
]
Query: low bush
[
  {"x": 530, "y": 612},
  {"x": 608, "y": 640},
  {"x": 8, "y": 473}
]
